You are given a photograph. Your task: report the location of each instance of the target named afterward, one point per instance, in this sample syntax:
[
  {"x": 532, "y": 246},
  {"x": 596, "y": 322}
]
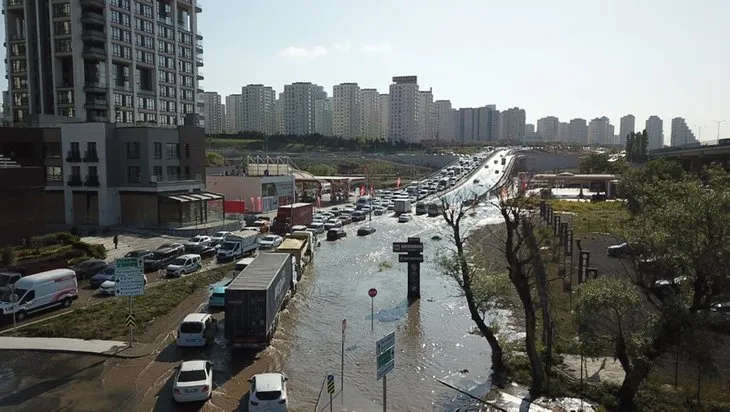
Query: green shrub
[
  {"x": 50, "y": 239},
  {"x": 8, "y": 256},
  {"x": 95, "y": 251}
]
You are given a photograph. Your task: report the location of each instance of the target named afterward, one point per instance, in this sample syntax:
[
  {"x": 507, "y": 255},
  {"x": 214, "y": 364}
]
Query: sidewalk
[{"x": 110, "y": 348}]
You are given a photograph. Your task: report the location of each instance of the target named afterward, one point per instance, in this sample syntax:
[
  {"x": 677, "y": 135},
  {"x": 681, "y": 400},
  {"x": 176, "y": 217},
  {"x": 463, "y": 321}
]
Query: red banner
[
  {"x": 260, "y": 205},
  {"x": 362, "y": 190},
  {"x": 234, "y": 206}
]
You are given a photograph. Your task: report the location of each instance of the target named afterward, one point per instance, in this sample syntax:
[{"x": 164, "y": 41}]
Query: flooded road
[{"x": 433, "y": 339}]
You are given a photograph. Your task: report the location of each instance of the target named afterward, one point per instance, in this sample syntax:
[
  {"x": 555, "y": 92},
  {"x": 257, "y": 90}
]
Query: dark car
[
  {"x": 365, "y": 230},
  {"x": 88, "y": 268},
  {"x": 358, "y": 216},
  {"x": 161, "y": 258},
  {"x": 205, "y": 251},
  {"x": 103, "y": 276},
  {"x": 336, "y": 234},
  {"x": 141, "y": 254}
]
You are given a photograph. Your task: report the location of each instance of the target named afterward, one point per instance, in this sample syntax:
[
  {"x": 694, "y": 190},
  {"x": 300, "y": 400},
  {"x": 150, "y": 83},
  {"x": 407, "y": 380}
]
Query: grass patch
[
  {"x": 106, "y": 320},
  {"x": 603, "y": 217},
  {"x": 386, "y": 264}
]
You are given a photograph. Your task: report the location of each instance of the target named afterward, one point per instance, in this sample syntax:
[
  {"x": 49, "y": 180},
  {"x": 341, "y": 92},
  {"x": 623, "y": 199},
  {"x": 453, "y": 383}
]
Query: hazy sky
[{"x": 568, "y": 58}]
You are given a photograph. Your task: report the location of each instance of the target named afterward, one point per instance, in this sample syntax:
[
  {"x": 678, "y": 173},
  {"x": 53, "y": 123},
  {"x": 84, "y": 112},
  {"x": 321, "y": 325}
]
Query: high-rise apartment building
[
  {"x": 600, "y": 132},
  {"x": 425, "y": 115},
  {"x": 212, "y": 112},
  {"x": 279, "y": 115},
  {"x": 346, "y": 110},
  {"x": 578, "y": 131},
  {"x": 224, "y": 122},
  {"x": 258, "y": 112},
  {"x": 323, "y": 116},
  {"x": 626, "y": 127},
  {"x": 298, "y": 109},
  {"x": 234, "y": 113},
  {"x": 476, "y": 124},
  {"x": 512, "y": 124},
  {"x": 445, "y": 121},
  {"x": 549, "y": 128},
  {"x": 370, "y": 113},
  {"x": 681, "y": 133},
  {"x": 564, "y": 132},
  {"x": 403, "y": 110},
  {"x": 384, "y": 115},
  {"x": 655, "y": 133},
  {"x": 96, "y": 60}
]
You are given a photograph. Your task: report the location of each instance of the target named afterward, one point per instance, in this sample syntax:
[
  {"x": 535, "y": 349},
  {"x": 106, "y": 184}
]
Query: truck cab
[{"x": 238, "y": 245}]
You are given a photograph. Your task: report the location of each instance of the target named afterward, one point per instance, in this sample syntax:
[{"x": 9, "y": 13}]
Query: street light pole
[
  {"x": 699, "y": 134},
  {"x": 719, "y": 122}
]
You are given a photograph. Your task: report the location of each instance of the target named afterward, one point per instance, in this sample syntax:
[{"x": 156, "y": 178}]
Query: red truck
[{"x": 291, "y": 215}]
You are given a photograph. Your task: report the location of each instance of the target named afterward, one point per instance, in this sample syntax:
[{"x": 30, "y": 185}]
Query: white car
[
  {"x": 332, "y": 224},
  {"x": 268, "y": 393},
  {"x": 219, "y": 237},
  {"x": 251, "y": 228},
  {"x": 404, "y": 218},
  {"x": 109, "y": 287},
  {"x": 193, "y": 381},
  {"x": 183, "y": 265},
  {"x": 199, "y": 240},
  {"x": 270, "y": 241}
]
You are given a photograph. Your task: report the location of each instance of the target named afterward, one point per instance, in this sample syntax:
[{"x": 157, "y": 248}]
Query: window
[
  {"x": 173, "y": 172},
  {"x": 157, "y": 173},
  {"x": 63, "y": 45},
  {"x": 28, "y": 297},
  {"x": 62, "y": 27},
  {"x": 75, "y": 172},
  {"x": 75, "y": 148},
  {"x": 187, "y": 172},
  {"x": 133, "y": 174},
  {"x": 91, "y": 149},
  {"x": 93, "y": 174},
  {"x": 54, "y": 174},
  {"x": 187, "y": 151},
  {"x": 133, "y": 150},
  {"x": 172, "y": 150},
  {"x": 52, "y": 150},
  {"x": 158, "y": 150},
  {"x": 62, "y": 10}
]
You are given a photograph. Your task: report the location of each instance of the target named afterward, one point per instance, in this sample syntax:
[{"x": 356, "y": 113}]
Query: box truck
[
  {"x": 402, "y": 206},
  {"x": 288, "y": 216},
  {"x": 238, "y": 245},
  {"x": 255, "y": 298}
]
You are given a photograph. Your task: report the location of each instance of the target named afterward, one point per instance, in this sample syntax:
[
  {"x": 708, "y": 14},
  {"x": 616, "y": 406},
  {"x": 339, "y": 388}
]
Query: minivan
[
  {"x": 57, "y": 287},
  {"x": 183, "y": 265},
  {"x": 196, "y": 330}
]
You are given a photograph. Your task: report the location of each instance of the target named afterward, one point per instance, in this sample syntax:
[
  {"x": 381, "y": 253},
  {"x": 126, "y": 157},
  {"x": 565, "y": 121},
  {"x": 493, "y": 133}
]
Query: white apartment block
[
  {"x": 234, "y": 114},
  {"x": 403, "y": 111},
  {"x": 298, "y": 111},
  {"x": 370, "y": 113},
  {"x": 655, "y": 133},
  {"x": 564, "y": 132},
  {"x": 346, "y": 110},
  {"x": 384, "y": 115},
  {"x": 258, "y": 113},
  {"x": 323, "y": 116},
  {"x": 426, "y": 130},
  {"x": 681, "y": 133},
  {"x": 212, "y": 112},
  {"x": 549, "y": 128},
  {"x": 445, "y": 121},
  {"x": 600, "y": 132},
  {"x": 626, "y": 127},
  {"x": 279, "y": 115},
  {"x": 224, "y": 122},
  {"x": 512, "y": 125},
  {"x": 103, "y": 61},
  {"x": 578, "y": 131}
]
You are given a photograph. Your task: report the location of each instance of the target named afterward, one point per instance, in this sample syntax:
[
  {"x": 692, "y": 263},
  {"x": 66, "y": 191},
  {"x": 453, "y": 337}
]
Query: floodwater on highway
[{"x": 433, "y": 339}]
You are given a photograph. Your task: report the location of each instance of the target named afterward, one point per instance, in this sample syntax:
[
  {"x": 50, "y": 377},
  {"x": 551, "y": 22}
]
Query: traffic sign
[
  {"x": 372, "y": 292},
  {"x": 414, "y": 240},
  {"x": 385, "y": 355},
  {"x": 385, "y": 342},
  {"x": 410, "y": 258},
  {"x": 330, "y": 384},
  {"x": 400, "y": 247},
  {"x": 129, "y": 277},
  {"x": 131, "y": 321}
]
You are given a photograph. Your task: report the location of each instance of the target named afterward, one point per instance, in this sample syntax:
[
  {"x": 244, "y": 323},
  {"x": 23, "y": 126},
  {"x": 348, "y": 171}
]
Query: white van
[
  {"x": 241, "y": 264},
  {"x": 183, "y": 265},
  {"x": 41, "y": 291},
  {"x": 196, "y": 330}
]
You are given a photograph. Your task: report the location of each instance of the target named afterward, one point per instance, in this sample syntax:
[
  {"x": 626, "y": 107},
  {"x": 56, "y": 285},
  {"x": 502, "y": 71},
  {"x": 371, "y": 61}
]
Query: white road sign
[{"x": 129, "y": 277}]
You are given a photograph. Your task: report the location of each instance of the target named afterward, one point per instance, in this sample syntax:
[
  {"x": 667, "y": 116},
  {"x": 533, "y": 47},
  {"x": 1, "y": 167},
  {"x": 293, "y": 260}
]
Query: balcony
[
  {"x": 73, "y": 156},
  {"x": 95, "y": 87},
  {"x": 92, "y": 181},
  {"x": 14, "y": 4},
  {"x": 74, "y": 180},
  {"x": 93, "y": 36},
  {"x": 93, "y": 4},
  {"x": 199, "y": 61},
  {"x": 94, "y": 53},
  {"x": 93, "y": 19},
  {"x": 200, "y": 75},
  {"x": 16, "y": 37},
  {"x": 91, "y": 157},
  {"x": 97, "y": 104}
]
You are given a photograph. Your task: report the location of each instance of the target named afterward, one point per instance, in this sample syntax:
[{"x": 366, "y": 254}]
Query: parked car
[
  {"x": 358, "y": 216},
  {"x": 141, "y": 254},
  {"x": 268, "y": 393},
  {"x": 183, "y": 265},
  {"x": 88, "y": 268},
  {"x": 299, "y": 228},
  {"x": 196, "y": 330},
  {"x": 345, "y": 219},
  {"x": 365, "y": 230},
  {"x": 173, "y": 246},
  {"x": 378, "y": 211},
  {"x": 251, "y": 229},
  {"x": 193, "y": 381},
  {"x": 103, "y": 276},
  {"x": 332, "y": 224},
  {"x": 41, "y": 291},
  {"x": 404, "y": 218},
  {"x": 162, "y": 257},
  {"x": 219, "y": 237},
  {"x": 316, "y": 228},
  {"x": 109, "y": 287},
  {"x": 336, "y": 234},
  {"x": 199, "y": 240},
  {"x": 205, "y": 251},
  {"x": 270, "y": 241}
]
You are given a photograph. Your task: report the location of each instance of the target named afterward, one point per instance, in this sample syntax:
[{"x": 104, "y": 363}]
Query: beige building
[
  {"x": 346, "y": 110},
  {"x": 370, "y": 113},
  {"x": 258, "y": 113},
  {"x": 384, "y": 115},
  {"x": 403, "y": 111}
]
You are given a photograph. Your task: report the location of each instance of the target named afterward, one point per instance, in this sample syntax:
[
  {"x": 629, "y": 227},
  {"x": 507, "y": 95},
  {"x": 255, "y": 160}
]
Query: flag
[
  {"x": 397, "y": 183},
  {"x": 260, "y": 204},
  {"x": 362, "y": 190}
]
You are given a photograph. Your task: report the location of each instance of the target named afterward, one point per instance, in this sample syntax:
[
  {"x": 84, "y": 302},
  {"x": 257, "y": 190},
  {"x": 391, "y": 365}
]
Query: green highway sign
[
  {"x": 385, "y": 354},
  {"x": 386, "y": 357}
]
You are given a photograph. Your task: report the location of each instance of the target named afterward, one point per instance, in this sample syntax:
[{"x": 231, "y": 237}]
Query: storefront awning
[{"x": 193, "y": 197}]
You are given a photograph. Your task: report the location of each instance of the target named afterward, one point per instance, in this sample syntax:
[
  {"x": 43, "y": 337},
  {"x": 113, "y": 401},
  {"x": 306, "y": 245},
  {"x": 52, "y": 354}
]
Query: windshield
[
  {"x": 197, "y": 239},
  {"x": 269, "y": 238},
  {"x": 191, "y": 376},
  {"x": 6, "y": 296},
  {"x": 178, "y": 262},
  {"x": 228, "y": 245},
  {"x": 219, "y": 234},
  {"x": 108, "y": 271}
]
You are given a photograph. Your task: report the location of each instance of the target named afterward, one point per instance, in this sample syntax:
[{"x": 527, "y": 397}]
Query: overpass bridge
[{"x": 695, "y": 156}]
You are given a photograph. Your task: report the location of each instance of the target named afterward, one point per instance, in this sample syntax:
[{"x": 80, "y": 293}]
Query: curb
[{"x": 110, "y": 354}]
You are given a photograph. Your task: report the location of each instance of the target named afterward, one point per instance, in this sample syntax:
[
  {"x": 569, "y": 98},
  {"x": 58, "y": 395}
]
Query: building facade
[
  {"x": 212, "y": 111},
  {"x": 384, "y": 115},
  {"x": 370, "y": 113},
  {"x": 681, "y": 134},
  {"x": 94, "y": 60},
  {"x": 346, "y": 110},
  {"x": 445, "y": 121},
  {"x": 299, "y": 107},
  {"x": 512, "y": 124},
  {"x": 403, "y": 110},
  {"x": 578, "y": 131},
  {"x": 626, "y": 127},
  {"x": 655, "y": 133},
  {"x": 549, "y": 128},
  {"x": 323, "y": 117},
  {"x": 426, "y": 129},
  {"x": 258, "y": 111},
  {"x": 600, "y": 132}
]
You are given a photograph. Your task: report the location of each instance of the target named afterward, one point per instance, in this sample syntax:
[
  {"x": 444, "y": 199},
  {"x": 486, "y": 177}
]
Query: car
[
  {"x": 217, "y": 293},
  {"x": 358, "y": 216},
  {"x": 251, "y": 229},
  {"x": 183, "y": 264},
  {"x": 88, "y": 268},
  {"x": 161, "y": 258},
  {"x": 365, "y": 230},
  {"x": 205, "y": 251},
  {"x": 193, "y": 381},
  {"x": 219, "y": 237},
  {"x": 109, "y": 287},
  {"x": 141, "y": 254},
  {"x": 332, "y": 224},
  {"x": 316, "y": 227},
  {"x": 196, "y": 330},
  {"x": 172, "y": 246},
  {"x": 101, "y": 277},
  {"x": 299, "y": 228},
  {"x": 336, "y": 234},
  {"x": 404, "y": 218},
  {"x": 391, "y": 206},
  {"x": 199, "y": 240},
  {"x": 345, "y": 219},
  {"x": 268, "y": 393},
  {"x": 270, "y": 241}
]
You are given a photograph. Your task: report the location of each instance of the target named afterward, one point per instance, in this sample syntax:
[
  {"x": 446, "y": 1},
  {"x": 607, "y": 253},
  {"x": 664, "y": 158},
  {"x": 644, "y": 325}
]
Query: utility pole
[
  {"x": 719, "y": 122},
  {"x": 699, "y": 132}
]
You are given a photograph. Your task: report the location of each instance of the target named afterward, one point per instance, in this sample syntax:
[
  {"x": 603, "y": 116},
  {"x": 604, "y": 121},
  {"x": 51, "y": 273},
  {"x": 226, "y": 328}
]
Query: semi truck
[
  {"x": 238, "y": 245},
  {"x": 300, "y": 245},
  {"x": 288, "y": 216},
  {"x": 402, "y": 206},
  {"x": 255, "y": 298}
]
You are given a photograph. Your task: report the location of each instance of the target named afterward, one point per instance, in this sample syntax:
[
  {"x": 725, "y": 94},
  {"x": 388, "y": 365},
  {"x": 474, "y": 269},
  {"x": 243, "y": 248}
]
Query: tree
[
  {"x": 600, "y": 163},
  {"x": 8, "y": 256},
  {"x": 213, "y": 159},
  {"x": 480, "y": 298},
  {"x": 636, "y": 146}
]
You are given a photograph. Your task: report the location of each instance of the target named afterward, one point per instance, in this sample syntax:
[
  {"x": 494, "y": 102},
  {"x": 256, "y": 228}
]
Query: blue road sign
[{"x": 330, "y": 377}]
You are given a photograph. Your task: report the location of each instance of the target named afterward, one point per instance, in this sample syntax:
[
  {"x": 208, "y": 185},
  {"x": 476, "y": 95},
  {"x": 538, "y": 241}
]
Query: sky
[{"x": 567, "y": 58}]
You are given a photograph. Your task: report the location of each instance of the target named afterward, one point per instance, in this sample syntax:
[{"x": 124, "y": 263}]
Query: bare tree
[{"x": 458, "y": 265}]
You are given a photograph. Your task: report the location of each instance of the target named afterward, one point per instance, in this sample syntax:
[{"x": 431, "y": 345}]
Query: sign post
[
  {"x": 413, "y": 255},
  {"x": 385, "y": 361},
  {"x": 342, "y": 362},
  {"x": 331, "y": 388},
  {"x": 372, "y": 293},
  {"x": 129, "y": 281}
]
